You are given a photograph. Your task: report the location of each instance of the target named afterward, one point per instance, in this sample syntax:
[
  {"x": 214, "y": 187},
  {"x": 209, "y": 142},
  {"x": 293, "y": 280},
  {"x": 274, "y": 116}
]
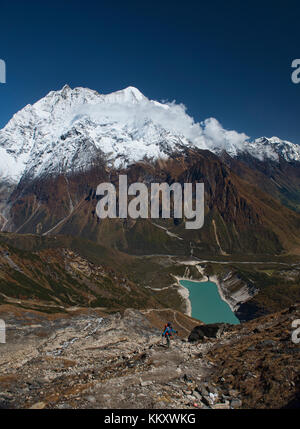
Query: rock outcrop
[{"x": 213, "y": 330}]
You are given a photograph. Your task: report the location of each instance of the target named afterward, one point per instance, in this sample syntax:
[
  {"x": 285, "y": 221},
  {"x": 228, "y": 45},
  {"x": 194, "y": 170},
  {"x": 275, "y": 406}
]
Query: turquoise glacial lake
[{"x": 207, "y": 304}]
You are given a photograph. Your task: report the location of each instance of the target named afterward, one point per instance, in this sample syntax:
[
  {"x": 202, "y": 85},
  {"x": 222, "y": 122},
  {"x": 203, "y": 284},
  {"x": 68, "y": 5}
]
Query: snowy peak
[
  {"x": 68, "y": 128},
  {"x": 127, "y": 95},
  {"x": 273, "y": 148},
  {"x": 79, "y": 95}
]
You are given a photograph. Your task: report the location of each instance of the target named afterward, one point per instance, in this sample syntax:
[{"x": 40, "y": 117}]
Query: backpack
[{"x": 167, "y": 334}]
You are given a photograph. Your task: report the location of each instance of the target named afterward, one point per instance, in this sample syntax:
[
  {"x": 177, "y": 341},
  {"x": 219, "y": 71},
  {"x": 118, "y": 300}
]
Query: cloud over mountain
[{"x": 67, "y": 129}]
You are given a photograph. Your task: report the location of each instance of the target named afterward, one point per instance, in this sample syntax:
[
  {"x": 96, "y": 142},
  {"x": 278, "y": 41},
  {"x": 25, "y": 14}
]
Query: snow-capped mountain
[
  {"x": 67, "y": 129},
  {"x": 273, "y": 148}
]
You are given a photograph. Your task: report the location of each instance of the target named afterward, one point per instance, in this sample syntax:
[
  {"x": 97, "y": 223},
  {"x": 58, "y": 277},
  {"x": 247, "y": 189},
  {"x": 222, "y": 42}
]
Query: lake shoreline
[
  {"x": 184, "y": 292},
  {"x": 216, "y": 280}
]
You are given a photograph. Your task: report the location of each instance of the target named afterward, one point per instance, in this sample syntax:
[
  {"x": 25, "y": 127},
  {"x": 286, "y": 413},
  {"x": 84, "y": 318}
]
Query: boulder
[
  {"x": 236, "y": 403},
  {"x": 213, "y": 330},
  {"x": 146, "y": 383},
  {"x": 38, "y": 406},
  {"x": 197, "y": 395}
]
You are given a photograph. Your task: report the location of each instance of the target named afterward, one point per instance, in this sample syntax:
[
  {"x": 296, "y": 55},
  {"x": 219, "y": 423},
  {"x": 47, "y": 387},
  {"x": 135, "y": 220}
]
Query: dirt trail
[{"x": 174, "y": 312}]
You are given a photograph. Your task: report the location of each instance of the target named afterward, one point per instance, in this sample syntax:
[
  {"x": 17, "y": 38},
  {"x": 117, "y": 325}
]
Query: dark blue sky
[{"x": 227, "y": 59}]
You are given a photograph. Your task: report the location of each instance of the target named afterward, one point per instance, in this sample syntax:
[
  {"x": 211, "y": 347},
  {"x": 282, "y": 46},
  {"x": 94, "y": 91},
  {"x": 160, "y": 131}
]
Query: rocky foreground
[{"x": 118, "y": 361}]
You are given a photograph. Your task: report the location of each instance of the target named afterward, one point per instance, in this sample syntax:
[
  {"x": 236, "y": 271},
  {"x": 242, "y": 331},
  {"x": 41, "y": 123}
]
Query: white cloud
[
  {"x": 125, "y": 125},
  {"x": 172, "y": 117},
  {"x": 217, "y": 137}
]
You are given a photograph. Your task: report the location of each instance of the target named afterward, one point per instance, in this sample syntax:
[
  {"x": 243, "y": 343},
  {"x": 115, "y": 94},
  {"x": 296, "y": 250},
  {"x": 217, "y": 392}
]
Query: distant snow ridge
[
  {"x": 68, "y": 129},
  {"x": 274, "y": 147}
]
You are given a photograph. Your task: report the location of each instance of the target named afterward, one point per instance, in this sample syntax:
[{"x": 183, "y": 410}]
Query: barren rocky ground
[{"x": 91, "y": 360}]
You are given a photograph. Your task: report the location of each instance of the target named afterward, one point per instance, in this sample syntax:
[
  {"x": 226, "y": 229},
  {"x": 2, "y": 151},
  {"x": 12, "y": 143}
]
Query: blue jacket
[{"x": 168, "y": 331}]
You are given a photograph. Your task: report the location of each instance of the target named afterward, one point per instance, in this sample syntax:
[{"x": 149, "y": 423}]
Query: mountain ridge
[{"x": 68, "y": 129}]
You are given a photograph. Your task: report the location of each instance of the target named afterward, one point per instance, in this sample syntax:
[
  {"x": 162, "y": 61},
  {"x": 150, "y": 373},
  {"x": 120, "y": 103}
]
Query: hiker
[{"x": 168, "y": 333}]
